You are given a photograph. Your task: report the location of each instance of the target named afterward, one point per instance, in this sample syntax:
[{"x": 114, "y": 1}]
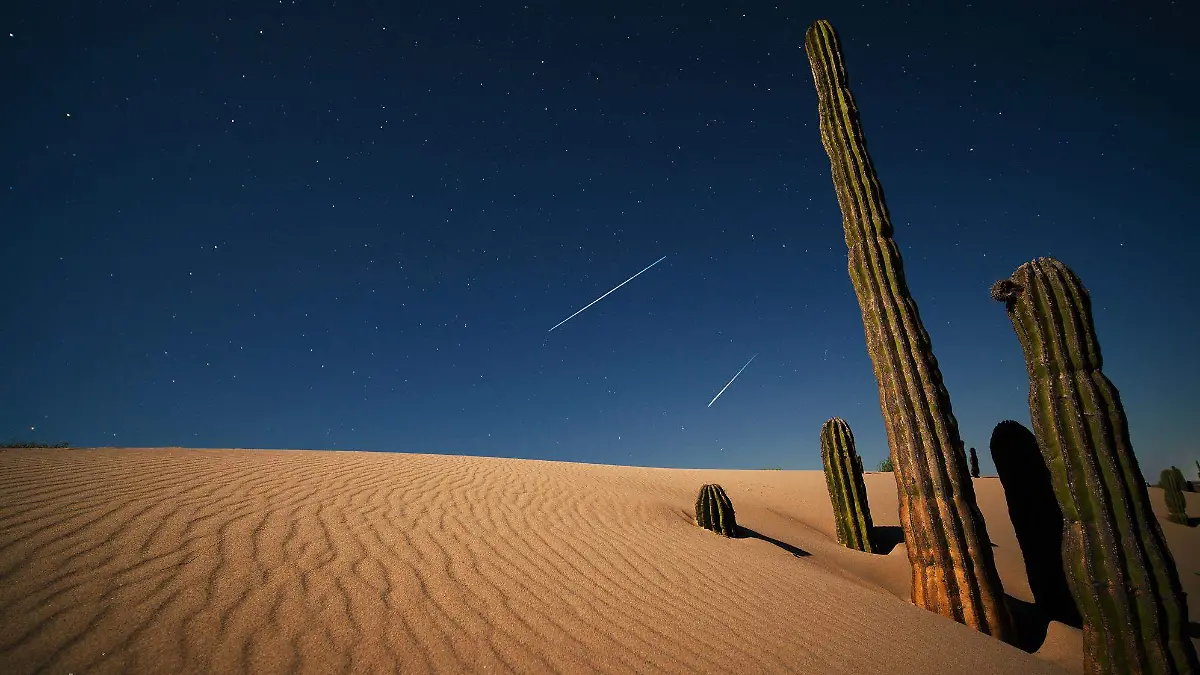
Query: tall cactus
[
  {"x": 953, "y": 572},
  {"x": 1121, "y": 573},
  {"x": 1172, "y": 484},
  {"x": 714, "y": 511},
  {"x": 973, "y": 460},
  {"x": 847, "y": 491}
]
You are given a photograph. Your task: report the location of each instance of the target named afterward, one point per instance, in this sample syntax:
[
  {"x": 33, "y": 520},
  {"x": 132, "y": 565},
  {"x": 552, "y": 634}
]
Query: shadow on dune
[
  {"x": 1036, "y": 517},
  {"x": 886, "y": 538},
  {"x": 1031, "y": 623},
  {"x": 745, "y": 532}
]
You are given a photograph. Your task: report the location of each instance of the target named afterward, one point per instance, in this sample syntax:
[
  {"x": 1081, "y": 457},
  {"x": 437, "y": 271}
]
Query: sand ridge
[{"x": 188, "y": 561}]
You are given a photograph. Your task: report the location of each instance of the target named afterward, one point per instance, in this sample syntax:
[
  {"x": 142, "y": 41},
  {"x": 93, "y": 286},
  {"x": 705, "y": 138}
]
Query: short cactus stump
[{"x": 714, "y": 511}]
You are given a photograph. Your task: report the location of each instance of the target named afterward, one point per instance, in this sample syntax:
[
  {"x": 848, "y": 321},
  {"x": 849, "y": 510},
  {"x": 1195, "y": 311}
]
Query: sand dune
[{"x": 190, "y": 561}]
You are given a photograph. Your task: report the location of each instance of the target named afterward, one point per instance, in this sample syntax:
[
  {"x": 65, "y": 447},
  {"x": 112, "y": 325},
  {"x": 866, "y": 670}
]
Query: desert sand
[{"x": 169, "y": 560}]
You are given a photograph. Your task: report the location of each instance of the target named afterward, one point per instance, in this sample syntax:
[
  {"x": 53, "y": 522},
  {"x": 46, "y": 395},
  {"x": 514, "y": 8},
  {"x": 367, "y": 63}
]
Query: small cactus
[
  {"x": 1121, "y": 572},
  {"x": 1172, "y": 484},
  {"x": 714, "y": 511},
  {"x": 847, "y": 492},
  {"x": 974, "y": 463}
]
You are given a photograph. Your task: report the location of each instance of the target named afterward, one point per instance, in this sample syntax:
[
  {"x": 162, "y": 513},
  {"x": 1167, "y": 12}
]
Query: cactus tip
[{"x": 1006, "y": 290}]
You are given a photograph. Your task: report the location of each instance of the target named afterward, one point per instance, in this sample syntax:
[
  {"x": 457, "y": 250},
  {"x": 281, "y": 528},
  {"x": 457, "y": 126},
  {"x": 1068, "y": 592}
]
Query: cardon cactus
[
  {"x": 961, "y": 451},
  {"x": 847, "y": 492},
  {"x": 714, "y": 511},
  {"x": 953, "y": 572},
  {"x": 1036, "y": 517},
  {"x": 974, "y": 462},
  {"x": 1172, "y": 484},
  {"x": 1121, "y": 573}
]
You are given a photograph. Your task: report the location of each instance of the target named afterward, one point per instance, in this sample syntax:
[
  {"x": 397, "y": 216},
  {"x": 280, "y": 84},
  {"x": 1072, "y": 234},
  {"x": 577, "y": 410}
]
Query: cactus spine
[
  {"x": 953, "y": 572},
  {"x": 1121, "y": 573},
  {"x": 714, "y": 511},
  {"x": 847, "y": 492},
  {"x": 1172, "y": 485}
]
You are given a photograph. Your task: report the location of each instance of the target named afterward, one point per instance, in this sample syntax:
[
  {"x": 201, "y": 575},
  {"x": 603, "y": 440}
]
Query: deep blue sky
[{"x": 342, "y": 225}]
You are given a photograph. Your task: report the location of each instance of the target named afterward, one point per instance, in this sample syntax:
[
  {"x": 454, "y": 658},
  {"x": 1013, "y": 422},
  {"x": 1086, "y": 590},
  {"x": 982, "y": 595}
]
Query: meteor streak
[
  {"x": 606, "y": 294},
  {"x": 730, "y": 382}
]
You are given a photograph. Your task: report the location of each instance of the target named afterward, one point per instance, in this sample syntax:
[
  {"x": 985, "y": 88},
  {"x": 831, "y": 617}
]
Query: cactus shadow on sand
[
  {"x": 744, "y": 532},
  {"x": 1031, "y": 622},
  {"x": 886, "y": 538}
]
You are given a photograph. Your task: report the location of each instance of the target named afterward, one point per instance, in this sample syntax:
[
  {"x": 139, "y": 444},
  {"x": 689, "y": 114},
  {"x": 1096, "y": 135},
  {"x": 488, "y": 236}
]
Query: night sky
[{"x": 346, "y": 225}]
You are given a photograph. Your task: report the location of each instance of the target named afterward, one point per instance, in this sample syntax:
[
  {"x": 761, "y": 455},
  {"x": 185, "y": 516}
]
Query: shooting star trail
[
  {"x": 606, "y": 294},
  {"x": 730, "y": 382}
]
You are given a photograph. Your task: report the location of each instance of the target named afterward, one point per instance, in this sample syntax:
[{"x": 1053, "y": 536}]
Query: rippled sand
[{"x": 226, "y": 561}]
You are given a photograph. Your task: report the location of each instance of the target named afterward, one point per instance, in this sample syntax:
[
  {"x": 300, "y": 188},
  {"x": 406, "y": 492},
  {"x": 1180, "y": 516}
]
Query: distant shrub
[
  {"x": 886, "y": 464},
  {"x": 33, "y": 444}
]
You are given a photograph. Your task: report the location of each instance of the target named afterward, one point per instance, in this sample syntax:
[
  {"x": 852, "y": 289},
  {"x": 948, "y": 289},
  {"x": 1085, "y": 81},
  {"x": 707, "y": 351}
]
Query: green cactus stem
[
  {"x": 1120, "y": 570},
  {"x": 953, "y": 571},
  {"x": 847, "y": 491},
  {"x": 714, "y": 511},
  {"x": 1172, "y": 484}
]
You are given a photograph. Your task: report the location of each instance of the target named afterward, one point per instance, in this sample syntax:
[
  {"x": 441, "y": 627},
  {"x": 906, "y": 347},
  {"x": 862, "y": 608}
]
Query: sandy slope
[{"x": 177, "y": 561}]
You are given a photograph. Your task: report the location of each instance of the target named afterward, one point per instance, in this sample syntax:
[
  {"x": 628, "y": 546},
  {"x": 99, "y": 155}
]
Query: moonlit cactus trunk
[
  {"x": 1121, "y": 573},
  {"x": 953, "y": 572}
]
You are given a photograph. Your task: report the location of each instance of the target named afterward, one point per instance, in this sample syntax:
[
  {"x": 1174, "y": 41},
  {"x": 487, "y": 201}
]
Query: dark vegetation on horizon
[{"x": 32, "y": 444}]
